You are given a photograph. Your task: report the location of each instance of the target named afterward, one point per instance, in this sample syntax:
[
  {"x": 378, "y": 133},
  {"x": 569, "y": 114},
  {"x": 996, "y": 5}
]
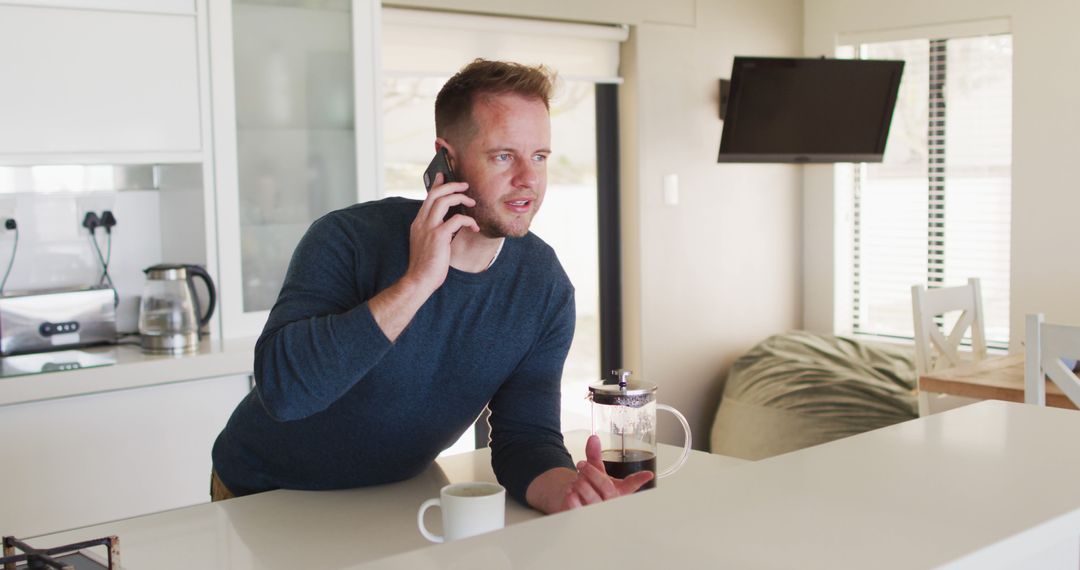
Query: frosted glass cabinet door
[{"x": 290, "y": 140}]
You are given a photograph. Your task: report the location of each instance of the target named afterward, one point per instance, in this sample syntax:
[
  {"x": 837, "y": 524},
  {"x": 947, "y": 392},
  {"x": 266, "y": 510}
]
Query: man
[{"x": 397, "y": 324}]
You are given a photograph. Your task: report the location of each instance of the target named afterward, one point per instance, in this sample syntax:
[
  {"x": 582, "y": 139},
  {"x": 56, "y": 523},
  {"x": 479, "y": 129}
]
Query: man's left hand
[{"x": 564, "y": 489}]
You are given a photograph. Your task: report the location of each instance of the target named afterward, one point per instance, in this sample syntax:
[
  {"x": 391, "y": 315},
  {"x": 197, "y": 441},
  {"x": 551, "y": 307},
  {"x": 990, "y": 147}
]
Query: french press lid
[{"x": 622, "y": 391}]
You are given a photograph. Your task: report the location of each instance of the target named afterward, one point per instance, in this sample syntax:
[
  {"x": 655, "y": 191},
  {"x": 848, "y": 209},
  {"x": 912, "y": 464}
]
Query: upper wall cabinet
[
  {"x": 295, "y": 135},
  {"x": 99, "y": 81}
]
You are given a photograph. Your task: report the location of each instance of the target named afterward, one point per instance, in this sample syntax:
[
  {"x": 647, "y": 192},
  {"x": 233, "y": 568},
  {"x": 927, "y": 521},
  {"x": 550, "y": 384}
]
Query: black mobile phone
[{"x": 438, "y": 164}]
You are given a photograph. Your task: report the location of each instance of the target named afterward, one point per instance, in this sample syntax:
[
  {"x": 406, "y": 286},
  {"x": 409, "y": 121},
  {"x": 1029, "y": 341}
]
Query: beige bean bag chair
[{"x": 799, "y": 389}]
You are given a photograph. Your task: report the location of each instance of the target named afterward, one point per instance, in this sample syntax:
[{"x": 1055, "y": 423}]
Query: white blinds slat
[{"x": 429, "y": 43}]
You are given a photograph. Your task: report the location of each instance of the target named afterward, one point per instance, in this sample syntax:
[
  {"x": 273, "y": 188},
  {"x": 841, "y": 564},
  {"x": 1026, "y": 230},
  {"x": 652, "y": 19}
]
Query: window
[
  {"x": 936, "y": 210},
  {"x": 567, "y": 221},
  {"x": 421, "y": 50}
]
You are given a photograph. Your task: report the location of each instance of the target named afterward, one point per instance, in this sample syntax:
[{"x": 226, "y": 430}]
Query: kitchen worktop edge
[{"x": 133, "y": 369}]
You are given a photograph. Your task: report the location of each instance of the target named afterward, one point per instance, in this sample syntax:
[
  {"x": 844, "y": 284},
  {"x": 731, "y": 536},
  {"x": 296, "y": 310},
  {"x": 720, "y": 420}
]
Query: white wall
[
  {"x": 710, "y": 277},
  {"x": 717, "y": 273},
  {"x": 1045, "y": 201},
  {"x": 55, "y": 252}
]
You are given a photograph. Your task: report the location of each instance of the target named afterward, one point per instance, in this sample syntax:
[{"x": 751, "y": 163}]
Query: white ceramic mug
[{"x": 468, "y": 509}]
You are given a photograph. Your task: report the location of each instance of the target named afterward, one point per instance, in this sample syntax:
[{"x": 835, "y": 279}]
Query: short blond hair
[{"x": 481, "y": 77}]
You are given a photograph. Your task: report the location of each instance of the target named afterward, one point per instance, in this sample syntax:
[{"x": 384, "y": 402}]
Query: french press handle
[{"x": 687, "y": 440}]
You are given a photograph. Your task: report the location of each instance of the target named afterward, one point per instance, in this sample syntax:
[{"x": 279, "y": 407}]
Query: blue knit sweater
[{"x": 338, "y": 405}]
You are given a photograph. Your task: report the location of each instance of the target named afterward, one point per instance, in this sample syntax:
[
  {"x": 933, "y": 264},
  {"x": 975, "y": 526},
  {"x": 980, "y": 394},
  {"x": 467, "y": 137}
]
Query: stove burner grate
[{"x": 50, "y": 558}]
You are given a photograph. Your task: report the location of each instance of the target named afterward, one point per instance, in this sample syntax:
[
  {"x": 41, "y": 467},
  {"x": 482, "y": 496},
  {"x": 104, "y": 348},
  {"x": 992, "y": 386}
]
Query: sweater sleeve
[
  {"x": 526, "y": 439},
  {"x": 321, "y": 337}
]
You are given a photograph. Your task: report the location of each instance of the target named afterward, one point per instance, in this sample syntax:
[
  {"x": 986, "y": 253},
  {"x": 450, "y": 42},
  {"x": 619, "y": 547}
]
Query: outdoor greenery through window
[{"x": 936, "y": 210}]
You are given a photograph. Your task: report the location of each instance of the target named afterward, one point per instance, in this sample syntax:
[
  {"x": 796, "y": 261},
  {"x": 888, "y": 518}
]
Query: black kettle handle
[{"x": 198, "y": 271}]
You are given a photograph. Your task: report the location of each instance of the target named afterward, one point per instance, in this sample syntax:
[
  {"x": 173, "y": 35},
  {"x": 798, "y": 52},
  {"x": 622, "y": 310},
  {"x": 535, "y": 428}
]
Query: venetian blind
[
  {"x": 936, "y": 211},
  {"x": 419, "y": 42}
]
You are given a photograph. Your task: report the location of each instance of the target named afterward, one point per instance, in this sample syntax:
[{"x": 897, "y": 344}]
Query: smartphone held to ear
[{"x": 440, "y": 163}]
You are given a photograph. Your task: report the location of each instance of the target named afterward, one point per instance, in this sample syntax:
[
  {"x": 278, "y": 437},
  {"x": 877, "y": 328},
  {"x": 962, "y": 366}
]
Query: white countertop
[
  {"x": 132, "y": 369},
  {"x": 984, "y": 486},
  {"x": 987, "y": 485},
  {"x": 328, "y": 529}
]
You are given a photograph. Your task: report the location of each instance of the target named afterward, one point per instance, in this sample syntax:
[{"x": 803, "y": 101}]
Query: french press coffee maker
[{"x": 624, "y": 418}]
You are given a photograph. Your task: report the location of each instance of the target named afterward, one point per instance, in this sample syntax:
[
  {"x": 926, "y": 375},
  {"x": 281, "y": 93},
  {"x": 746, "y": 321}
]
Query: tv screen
[{"x": 809, "y": 110}]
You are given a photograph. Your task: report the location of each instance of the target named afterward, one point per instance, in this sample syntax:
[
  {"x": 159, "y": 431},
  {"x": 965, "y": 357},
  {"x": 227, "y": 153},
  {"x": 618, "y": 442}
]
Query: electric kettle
[{"x": 170, "y": 319}]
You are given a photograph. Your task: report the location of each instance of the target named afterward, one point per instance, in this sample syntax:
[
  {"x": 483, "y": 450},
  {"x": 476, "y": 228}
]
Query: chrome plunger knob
[{"x": 623, "y": 375}]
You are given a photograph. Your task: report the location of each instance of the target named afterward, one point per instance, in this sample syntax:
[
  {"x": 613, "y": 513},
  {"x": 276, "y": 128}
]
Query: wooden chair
[
  {"x": 1046, "y": 346},
  {"x": 934, "y": 349}
]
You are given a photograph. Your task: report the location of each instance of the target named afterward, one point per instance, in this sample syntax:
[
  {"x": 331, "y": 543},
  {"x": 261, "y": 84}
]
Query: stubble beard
[{"x": 493, "y": 226}]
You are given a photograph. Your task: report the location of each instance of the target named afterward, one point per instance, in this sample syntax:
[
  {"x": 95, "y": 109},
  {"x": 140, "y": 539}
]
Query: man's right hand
[
  {"x": 429, "y": 257},
  {"x": 431, "y": 233}
]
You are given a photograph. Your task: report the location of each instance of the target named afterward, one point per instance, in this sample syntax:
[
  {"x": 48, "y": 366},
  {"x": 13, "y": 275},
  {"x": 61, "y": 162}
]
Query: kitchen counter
[
  {"x": 132, "y": 369},
  {"x": 325, "y": 529},
  {"x": 991, "y": 485}
]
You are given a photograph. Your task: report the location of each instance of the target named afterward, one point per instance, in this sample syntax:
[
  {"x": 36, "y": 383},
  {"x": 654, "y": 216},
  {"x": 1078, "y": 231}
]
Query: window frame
[{"x": 845, "y": 180}]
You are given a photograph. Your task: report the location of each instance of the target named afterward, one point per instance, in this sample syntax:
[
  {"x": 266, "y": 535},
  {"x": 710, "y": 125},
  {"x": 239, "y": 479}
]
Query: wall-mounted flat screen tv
[{"x": 809, "y": 110}]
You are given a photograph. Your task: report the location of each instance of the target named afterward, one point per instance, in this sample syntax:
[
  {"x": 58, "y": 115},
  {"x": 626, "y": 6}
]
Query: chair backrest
[
  {"x": 929, "y": 303},
  {"x": 1046, "y": 346}
]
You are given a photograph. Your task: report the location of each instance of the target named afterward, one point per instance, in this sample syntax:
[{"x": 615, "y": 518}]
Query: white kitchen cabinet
[
  {"x": 294, "y": 90},
  {"x": 106, "y": 81},
  {"x": 88, "y": 459}
]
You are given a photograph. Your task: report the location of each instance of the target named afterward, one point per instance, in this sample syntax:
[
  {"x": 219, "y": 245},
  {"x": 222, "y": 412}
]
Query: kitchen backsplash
[{"x": 55, "y": 251}]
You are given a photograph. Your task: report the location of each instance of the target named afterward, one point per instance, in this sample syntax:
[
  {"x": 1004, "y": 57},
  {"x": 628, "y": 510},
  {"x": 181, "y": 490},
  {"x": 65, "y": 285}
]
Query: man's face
[{"x": 505, "y": 163}]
